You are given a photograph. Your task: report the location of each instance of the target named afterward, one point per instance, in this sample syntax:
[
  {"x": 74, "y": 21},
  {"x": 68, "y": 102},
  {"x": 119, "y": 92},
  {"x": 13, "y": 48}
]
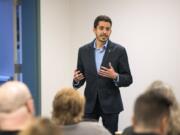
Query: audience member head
[
  {"x": 152, "y": 113},
  {"x": 164, "y": 89},
  {"x": 68, "y": 107},
  {"x": 16, "y": 105},
  {"x": 41, "y": 126},
  {"x": 167, "y": 91}
]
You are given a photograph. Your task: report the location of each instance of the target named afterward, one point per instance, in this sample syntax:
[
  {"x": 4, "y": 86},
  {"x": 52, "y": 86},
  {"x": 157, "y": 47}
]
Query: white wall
[
  {"x": 55, "y": 54},
  {"x": 149, "y": 29}
]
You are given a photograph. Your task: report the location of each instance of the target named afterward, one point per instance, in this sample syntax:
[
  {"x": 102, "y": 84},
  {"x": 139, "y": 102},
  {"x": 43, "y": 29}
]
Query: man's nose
[{"x": 104, "y": 31}]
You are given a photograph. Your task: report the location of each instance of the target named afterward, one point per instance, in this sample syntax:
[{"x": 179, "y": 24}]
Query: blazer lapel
[
  {"x": 105, "y": 61},
  {"x": 92, "y": 58}
]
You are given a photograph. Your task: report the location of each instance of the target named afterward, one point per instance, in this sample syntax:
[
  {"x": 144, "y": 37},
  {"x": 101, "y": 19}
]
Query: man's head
[
  {"x": 164, "y": 89},
  {"x": 42, "y": 126},
  {"x": 68, "y": 107},
  {"x": 102, "y": 18},
  {"x": 16, "y": 104},
  {"x": 102, "y": 28},
  {"x": 167, "y": 91},
  {"x": 152, "y": 112}
]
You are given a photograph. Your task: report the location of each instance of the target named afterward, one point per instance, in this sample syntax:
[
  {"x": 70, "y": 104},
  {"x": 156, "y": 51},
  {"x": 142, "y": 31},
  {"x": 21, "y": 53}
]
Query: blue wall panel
[
  {"x": 6, "y": 40},
  {"x": 31, "y": 49}
]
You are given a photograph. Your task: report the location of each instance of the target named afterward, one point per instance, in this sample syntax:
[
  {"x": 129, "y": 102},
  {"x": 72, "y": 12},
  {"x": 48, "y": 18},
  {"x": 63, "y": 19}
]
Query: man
[
  {"x": 167, "y": 91},
  {"x": 16, "y": 107},
  {"x": 104, "y": 66},
  {"x": 151, "y": 114},
  {"x": 162, "y": 90},
  {"x": 68, "y": 110}
]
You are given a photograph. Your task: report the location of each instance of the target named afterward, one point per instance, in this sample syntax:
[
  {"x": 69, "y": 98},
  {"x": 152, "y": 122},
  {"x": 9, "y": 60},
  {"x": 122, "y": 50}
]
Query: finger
[
  {"x": 110, "y": 65},
  {"x": 80, "y": 75},
  {"x": 75, "y": 77},
  {"x": 102, "y": 71},
  {"x": 104, "y": 68},
  {"x": 77, "y": 72},
  {"x": 102, "y": 74},
  {"x": 80, "y": 78}
]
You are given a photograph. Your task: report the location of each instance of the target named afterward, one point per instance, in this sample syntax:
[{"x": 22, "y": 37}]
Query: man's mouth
[{"x": 103, "y": 36}]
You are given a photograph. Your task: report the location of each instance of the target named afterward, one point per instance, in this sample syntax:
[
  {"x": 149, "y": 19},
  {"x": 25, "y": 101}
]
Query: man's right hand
[{"x": 78, "y": 76}]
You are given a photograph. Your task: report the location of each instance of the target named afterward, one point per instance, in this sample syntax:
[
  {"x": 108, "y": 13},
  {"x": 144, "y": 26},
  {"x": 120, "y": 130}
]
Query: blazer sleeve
[
  {"x": 81, "y": 69},
  {"x": 125, "y": 77}
]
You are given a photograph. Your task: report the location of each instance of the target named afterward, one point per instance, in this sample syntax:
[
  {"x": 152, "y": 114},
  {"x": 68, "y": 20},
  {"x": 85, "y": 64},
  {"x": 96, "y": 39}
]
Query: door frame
[{"x": 31, "y": 67}]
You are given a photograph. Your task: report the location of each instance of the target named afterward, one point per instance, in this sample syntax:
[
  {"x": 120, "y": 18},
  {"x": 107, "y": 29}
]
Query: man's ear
[{"x": 30, "y": 106}]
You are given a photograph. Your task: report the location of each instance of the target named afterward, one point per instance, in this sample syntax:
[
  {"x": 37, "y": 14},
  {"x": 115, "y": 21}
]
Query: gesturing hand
[
  {"x": 78, "y": 76},
  {"x": 108, "y": 72}
]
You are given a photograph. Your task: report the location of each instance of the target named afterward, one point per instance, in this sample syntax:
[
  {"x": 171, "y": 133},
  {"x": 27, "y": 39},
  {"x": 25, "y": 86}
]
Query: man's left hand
[{"x": 108, "y": 72}]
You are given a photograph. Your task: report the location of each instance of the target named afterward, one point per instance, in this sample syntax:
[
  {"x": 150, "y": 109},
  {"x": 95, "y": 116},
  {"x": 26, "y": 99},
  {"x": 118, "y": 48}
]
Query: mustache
[{"x": 104, "y": 35}]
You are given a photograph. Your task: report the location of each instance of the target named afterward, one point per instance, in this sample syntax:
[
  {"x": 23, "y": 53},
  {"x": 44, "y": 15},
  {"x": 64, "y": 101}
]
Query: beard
[{"x": 103, "y": 38}]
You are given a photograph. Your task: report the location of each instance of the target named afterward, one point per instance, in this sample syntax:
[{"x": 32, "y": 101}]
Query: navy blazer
[{"x": 108, "y": 93}]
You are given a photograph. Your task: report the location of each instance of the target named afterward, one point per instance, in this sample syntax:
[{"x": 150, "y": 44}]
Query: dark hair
[
  {"x": 151, "y": 107},
  {"x": 102, "y": 18}
]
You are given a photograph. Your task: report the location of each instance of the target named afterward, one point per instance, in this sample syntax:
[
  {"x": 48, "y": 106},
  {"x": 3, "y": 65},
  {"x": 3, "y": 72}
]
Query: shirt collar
[{"x": 104, "y": 46}]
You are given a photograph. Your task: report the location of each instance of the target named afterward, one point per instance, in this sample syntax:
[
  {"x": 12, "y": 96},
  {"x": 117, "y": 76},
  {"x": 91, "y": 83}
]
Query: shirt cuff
[
  {"x": 116, "y": 80},
  {"x": 75, "y": 84}
]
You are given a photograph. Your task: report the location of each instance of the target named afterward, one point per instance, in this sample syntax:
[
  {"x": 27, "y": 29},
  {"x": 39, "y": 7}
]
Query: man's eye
[
  {"x": 101, "y": 28},
  {"x": 107, "y": 29}
]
